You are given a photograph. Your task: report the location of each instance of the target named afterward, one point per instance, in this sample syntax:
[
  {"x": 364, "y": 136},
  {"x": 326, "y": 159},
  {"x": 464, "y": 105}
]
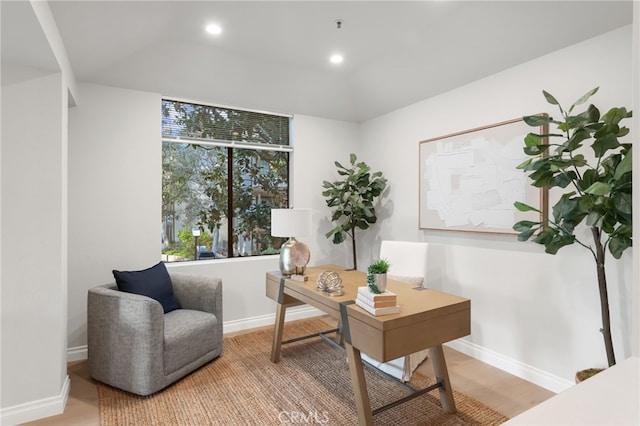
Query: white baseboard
[
  {"x": 524, "y": 371},
  {"x": 293, "y": 314},
  {"x": 34, "y": 410},
  {"x": 79, "y": 353}
]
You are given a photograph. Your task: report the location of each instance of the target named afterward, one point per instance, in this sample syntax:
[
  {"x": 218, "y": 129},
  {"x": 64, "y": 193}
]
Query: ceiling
[{"x": 274, "y": 55}]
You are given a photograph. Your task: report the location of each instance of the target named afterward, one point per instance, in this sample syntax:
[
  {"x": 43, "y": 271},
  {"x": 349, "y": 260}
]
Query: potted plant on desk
[{"x": 377, "y": 276}]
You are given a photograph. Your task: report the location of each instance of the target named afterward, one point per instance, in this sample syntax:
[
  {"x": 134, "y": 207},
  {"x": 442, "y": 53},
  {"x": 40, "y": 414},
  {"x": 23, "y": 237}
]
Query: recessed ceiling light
[
  {"x": 214, "y": 29},
  {"x": 336, "y": 58}
]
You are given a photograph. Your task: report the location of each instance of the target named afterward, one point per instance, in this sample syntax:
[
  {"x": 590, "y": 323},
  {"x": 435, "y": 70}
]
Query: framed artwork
[{"x": 469, "y": 180}]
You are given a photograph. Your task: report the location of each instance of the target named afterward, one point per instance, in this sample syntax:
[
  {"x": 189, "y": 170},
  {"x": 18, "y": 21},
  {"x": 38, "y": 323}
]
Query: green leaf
[
  {"x": 585, "y": 97},
  {"x": 525, "y": 164},
  {"x": 598, "y": 188},
  {"x": 525, "y": 207},
  {"x": 594, "y": 219},
  {"x": 532, "y": 139},
  {"x": 608, "y": 223},
  {"x": 625, "y": 231},
  {"x": 586, "y": 202},
  {"x": 615, "y": 115},
  {"x": 550, "y": 98},
  {"x": 588, "y": 178},
  {"x": 592, "y": 114},
  {"x": 574, "y": 142},
  {"x": 335, "y": 230},
  {"x": 545, "y": 236},
  {"x": 579, "y": 160},
  {"x": 352, "y": 158},
  {"x": 565, "y": 207},
  {"x": 338, "y": 237},
  {"x": 537, "y": 120},
  {"x": 544, "y": 179},
  {"x": 538, "y": 164},
  {"x": 533, "y": 150},
  {"x": 605, "y": 143},
  {"x": 618, "y": 244},
  {"x": 624, "y": 166},
  {"x": 544, "y": 170},
  {"x": 558, "y": 242},
  {"x": 524, "y": 225},
  {"x": 623, "y": 202},
  {"x": 563, "y": 180},
  {"x": 525, "y": 235}
]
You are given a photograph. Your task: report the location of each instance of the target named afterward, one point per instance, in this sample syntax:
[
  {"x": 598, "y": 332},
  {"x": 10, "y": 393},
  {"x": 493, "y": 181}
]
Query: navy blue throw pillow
[{"x": 154, "y": 282}]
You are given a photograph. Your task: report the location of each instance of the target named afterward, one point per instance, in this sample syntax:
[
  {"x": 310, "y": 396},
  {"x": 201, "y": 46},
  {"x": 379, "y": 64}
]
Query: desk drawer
[{"x": 385, "y": 345}]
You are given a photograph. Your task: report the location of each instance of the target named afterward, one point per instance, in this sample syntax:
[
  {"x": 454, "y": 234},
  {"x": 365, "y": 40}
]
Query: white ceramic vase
[{"x": 381, "y": 281}]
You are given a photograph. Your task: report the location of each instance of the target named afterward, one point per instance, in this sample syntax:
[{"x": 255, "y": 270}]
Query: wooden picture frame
[{"x": 469, "y": 181}]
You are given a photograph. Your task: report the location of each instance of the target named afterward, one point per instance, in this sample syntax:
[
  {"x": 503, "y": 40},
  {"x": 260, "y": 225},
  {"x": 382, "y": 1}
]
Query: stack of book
[{"x": 377, "y": 304}]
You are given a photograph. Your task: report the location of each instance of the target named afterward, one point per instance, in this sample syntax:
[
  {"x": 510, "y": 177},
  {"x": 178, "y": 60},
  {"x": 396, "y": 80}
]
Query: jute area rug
[{"x": 310, "y": 385}]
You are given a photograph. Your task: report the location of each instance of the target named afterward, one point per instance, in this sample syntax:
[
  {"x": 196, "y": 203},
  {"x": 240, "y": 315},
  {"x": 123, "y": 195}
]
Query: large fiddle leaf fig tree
[
  {"x": 353, "y": 198},
  {"x": 586, "y": 158}
]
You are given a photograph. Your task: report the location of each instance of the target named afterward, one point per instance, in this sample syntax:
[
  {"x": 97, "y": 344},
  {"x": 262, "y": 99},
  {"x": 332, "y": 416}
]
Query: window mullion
[{"x": 230, "y": 230}]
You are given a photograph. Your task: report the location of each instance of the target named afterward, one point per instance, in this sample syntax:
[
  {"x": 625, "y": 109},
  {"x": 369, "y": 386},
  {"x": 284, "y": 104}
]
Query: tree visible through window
[{"x": 222, "y": 171}]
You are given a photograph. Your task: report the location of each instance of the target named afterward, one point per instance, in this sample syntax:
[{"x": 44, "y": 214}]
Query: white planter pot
[{"x": 381, "y": 281}]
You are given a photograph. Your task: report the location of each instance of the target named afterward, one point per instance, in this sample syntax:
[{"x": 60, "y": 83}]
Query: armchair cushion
[
  {"x": 186, "y": 328},
  {"x": 153, "y": 282}
]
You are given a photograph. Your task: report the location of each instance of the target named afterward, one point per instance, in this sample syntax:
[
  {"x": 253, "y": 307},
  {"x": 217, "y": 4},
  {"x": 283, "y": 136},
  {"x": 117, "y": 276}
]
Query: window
[{"x": 223, "y": 170}]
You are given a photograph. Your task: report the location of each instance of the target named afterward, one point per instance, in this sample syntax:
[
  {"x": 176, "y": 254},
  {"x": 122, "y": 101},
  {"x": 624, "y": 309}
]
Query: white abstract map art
[{"x": 469, "y": 180}]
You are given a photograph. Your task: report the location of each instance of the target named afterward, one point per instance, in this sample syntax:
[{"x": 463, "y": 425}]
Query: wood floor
[{"x": 501, "y": 391}]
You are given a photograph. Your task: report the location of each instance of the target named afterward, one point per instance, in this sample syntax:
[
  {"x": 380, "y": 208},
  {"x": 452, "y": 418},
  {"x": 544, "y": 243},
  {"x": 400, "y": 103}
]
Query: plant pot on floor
[{"x": 583, "y": 375}]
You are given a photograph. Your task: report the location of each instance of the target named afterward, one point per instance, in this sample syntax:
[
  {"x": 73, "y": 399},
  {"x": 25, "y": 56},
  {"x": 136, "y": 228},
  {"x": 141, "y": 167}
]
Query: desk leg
[
  {"x": 363, "y": 405},
  {"x": 277, "y": 333},
  {"x": 442, "y": 375},
  {"x": 340, "y": 334}
]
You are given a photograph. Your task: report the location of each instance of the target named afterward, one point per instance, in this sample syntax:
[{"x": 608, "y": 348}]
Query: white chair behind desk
[{"x": 407, "y": 263}]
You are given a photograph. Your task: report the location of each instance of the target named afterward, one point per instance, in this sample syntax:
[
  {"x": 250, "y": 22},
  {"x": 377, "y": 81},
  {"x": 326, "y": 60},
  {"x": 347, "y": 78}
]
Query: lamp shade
[{"x": 290, "y": 222}]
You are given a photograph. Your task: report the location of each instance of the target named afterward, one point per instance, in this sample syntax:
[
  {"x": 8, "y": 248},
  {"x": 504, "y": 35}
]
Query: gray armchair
[{"x": 133, "y": 345}]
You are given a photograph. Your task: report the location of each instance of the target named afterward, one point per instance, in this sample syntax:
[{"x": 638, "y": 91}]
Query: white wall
[
  {"x": 318, "y": 144},
  {"x": 532, "y": 313},
  {"x": 114, "y": 191},
  {"x": 34, "y": 249},
  {"x": 635, "y": 321},
  {"x": 115, "y": 203}
]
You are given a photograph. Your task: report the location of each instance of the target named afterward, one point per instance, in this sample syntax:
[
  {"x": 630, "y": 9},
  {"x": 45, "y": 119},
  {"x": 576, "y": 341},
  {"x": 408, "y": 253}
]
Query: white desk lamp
[{"x": 294, "y": 255}]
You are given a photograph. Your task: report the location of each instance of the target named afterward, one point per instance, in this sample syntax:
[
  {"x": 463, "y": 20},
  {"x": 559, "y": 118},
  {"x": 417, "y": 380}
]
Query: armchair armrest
[
  {"x": 124, "y": 327},
  {"x": 198, "y": 292}
]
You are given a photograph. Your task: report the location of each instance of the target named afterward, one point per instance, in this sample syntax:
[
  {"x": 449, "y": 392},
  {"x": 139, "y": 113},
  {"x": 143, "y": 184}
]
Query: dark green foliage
[
  {"x": 600, "y": 193},
  {"x": 353, "y": 198},
  {"x": 380, "y": 266}
]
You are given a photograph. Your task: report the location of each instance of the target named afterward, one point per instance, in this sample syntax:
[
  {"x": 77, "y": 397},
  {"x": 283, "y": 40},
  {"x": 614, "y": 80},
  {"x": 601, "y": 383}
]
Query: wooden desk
[{"x": 427, "y": 319}]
